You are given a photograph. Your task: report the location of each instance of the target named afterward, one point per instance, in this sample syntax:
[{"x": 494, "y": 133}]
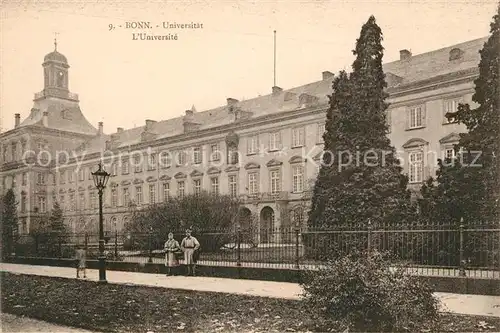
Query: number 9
[{"x": 111, "y": 27}]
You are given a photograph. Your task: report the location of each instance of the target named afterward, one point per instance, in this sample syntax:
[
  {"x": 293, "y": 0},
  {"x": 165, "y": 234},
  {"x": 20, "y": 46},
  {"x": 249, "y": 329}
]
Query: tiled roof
[
  {"x": 427, "y": 65},
  {"x": 418, "y": 67}
]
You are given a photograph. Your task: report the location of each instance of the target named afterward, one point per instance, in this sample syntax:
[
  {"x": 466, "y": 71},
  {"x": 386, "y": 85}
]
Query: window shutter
[{"x": 279, "y": 141}]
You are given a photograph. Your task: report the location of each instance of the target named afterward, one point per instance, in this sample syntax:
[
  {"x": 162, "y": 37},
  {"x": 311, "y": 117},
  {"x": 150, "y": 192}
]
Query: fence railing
[{"x": 427, "y": 250}]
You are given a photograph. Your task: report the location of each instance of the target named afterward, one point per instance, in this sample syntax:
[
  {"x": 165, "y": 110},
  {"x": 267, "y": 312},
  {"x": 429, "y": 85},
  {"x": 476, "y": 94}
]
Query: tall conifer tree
[
  {"x": 9, "y": 222},
  {"x": 360, "y": 178}
]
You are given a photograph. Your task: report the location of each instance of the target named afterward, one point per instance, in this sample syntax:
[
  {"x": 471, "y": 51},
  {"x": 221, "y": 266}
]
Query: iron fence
[{"x": 425, "y": 250}]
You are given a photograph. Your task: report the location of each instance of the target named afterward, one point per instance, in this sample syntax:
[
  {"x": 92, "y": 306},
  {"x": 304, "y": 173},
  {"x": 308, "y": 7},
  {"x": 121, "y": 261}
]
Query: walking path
[
  {"x": 12, "y": 323},
  {"x": 457, "y": 303}
]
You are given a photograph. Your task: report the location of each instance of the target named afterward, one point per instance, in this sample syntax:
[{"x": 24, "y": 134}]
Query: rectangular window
[
  {"x": 137, "y": 164},
  {"x": 125, "y": 197},
  {"x": 14, "y": 151},
  {"x": 138, "y": 195},
  {"x": 40, "y": 179},
  {"x": 62, "y": 177},
  {"x": 152, "y": 194},
  {"x": 233, "y": 185},
  {"x": 165, "y": 160},
  {"x": 93, "y": 200},
  {"x": 274, "y": 141},
  {"x": 297, "y": 178},
  {"x": 125, "y": 167},
  {"x": 253, "y": 183},
  {"x": 275, "y": 181},
  {"x": 197, "y": 158},
  {"x": 298, "y": 137},
  {"x": 214, "y": 152},
  {"x": 253, "y": 145},
  {"x": 89, "y": 173},
  {"x": 81, "y": 174},
  {"x": 25, "y": 179},
  {"x": 82, "y": 200},
  {"x": 72, "y": 202},
  {"x": 152, "y": 162},
  {"x": 450, "y": 106},
  {"x": 214, "y": 185},
  {"x": 166, "y": 191},
  {"x": 321, "y": 131},
  {"x": 232, "y": 155},
  {"x": 42, "y": 205},
  {"x": 197, "y": 186},
  {"x": 416, "y": 167},
  {"x": 71, "y": 176},
  {"x": 449, "y": 153},
  {"x": 23, "y": 203},
  {"x": 181, "y": 157},
  {"x": 181, "y": 189},
  {"x": 114, "y": 197},
  {"x": 416, "y": 116}
]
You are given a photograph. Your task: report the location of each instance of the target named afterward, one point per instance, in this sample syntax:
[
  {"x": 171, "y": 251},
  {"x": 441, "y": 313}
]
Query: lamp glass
[{"x": 100, "y": 177}]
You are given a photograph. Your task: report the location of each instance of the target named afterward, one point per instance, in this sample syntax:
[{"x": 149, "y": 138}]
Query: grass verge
[{"x": 123, "y": 308}]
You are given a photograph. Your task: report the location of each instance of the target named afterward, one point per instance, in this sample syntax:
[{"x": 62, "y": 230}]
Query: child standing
[{"x": 80, "y": 262}]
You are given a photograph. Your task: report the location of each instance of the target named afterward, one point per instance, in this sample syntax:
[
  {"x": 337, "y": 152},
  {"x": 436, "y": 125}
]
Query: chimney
[
  {"x": 45, "y": 119},
  {"x": 100, "y": 128},
  {"x": 231, "y": 101},
  {"x": 404, "y": 54},
  {"x": 119, "y": 130},
  {"x": 276, "y": 90},
  {"x": 17, "y": 118},
  {"x": 327, "y": 75},
  {"x": 149, "y": 124}
]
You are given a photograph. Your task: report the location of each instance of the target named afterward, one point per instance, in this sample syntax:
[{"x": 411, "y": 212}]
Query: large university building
[{"x": 265, "y": 150}]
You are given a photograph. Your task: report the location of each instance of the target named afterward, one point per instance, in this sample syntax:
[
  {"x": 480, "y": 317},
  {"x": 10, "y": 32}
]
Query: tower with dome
[{"x": 55, "y": 123}]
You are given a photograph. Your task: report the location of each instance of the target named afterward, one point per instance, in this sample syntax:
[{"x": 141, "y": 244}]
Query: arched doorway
[
  {"x": 266, "y": 225},
  {"x": 245, "y": 218}
]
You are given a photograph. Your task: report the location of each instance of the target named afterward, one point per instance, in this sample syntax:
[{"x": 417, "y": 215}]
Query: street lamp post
[{"x": 100, "y": 180}]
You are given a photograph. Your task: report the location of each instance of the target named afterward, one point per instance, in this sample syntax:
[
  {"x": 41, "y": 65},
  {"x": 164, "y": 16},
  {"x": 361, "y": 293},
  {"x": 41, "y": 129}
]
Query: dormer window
[{"x": 455, "y": 54}]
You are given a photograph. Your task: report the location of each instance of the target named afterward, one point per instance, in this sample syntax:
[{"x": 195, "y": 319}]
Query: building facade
[{"x": 265, "y": 150}]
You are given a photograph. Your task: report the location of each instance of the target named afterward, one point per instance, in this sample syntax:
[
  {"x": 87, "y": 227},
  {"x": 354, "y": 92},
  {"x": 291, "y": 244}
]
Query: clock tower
[{"x": 55, "y": 73}]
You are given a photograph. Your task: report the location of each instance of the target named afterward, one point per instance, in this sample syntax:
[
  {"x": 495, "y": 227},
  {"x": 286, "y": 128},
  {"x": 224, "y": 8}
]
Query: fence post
[
  {"x": 461, "y": 258},
  {"x": 116, "y": 245},
  {"x": 150, "y": 259},
  {"x": 297, "y": 257},
  {"x": 369, "y": 236},
  {"x": 238, "y": 244},
  {"x": 86, "y": 243}
]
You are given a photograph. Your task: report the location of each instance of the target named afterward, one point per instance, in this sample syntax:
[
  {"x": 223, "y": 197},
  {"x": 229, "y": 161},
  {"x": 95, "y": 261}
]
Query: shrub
[
  {"x": 215, "y": 215},
  {"x": 360, "y": 292}
]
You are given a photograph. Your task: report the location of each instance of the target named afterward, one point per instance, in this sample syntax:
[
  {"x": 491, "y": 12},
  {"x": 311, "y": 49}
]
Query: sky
[{"x": 122, "y": 82}]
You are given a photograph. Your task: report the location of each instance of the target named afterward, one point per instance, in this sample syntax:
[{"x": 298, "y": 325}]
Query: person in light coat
[
  {"x": 189, "y": 244},
  {"x": 171, "y": 247}
]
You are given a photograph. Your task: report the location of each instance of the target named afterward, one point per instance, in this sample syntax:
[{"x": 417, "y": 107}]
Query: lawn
[{"x": 122, "y": 308}]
